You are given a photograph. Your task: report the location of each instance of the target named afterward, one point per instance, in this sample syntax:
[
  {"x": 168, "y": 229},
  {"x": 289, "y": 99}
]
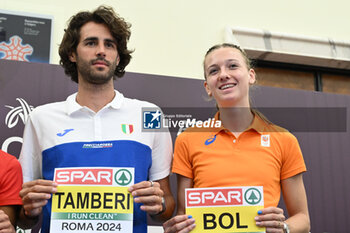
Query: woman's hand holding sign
[
  {"x": 149, "y": 194},
  {"x": 156, "y": 198}
]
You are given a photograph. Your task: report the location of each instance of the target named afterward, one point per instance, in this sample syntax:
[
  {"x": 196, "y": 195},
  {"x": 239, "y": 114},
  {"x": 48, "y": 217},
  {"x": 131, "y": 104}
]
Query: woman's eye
[
  {"x": 232, "y": 66},
  {"x": 213, "y": 71}
]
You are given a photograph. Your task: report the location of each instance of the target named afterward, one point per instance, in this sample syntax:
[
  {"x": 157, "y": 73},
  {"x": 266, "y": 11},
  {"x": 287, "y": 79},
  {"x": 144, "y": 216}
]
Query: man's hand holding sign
[{"x": 35, "y": 194}]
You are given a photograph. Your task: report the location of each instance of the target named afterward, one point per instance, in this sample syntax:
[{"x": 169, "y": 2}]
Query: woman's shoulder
[{"x": 280, "y": 133}]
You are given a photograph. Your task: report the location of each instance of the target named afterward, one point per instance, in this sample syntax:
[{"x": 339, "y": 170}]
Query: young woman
[{"x": 247, "y": 151}]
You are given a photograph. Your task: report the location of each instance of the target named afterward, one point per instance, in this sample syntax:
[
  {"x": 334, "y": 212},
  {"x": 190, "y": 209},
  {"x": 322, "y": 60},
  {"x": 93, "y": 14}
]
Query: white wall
[{"x": 171, "y": 37}]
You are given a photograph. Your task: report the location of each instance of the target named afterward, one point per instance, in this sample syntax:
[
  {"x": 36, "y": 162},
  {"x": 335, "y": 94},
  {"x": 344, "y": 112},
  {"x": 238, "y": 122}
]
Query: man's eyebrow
[
  {"x": 90, "y": 38},
  {"x": 93, "y": 38},
  {"x": 111, "y": 41}
]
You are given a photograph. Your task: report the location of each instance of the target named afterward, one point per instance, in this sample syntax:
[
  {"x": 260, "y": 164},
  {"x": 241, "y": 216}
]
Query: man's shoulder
[
  {"x": 139, "y": 103},
  {"x": 50, "y": 108}
]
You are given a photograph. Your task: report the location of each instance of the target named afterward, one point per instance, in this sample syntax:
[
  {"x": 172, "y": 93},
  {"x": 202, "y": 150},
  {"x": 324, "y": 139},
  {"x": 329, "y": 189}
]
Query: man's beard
[{"x": 87, "y": 73}]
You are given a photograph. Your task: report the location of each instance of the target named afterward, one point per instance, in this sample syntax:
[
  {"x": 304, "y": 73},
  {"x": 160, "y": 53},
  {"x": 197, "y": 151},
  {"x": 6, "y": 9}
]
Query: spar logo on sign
[
  {"x": 94, "y": 176},
  {"x": 252, "y": 196},
  {"x": 214, "y": 197},
  {"x": 235, "y": 196},
  {"x": 225, "y": 209},
  {"x": 123, "y": 177}
]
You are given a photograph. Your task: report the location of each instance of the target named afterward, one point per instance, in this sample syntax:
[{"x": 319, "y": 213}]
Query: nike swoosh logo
[{"x": 65, "y": 132}]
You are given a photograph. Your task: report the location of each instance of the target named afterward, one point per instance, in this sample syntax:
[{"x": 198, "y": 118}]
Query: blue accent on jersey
[
  {"x": 210, "y": 140},
  {"x": 121, "y": 153},
  {"x": 64, "y": 132}
]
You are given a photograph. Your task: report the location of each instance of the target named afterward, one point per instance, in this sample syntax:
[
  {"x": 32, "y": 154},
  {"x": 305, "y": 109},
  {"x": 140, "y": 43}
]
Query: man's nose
[{"x": 101, "y": 52}]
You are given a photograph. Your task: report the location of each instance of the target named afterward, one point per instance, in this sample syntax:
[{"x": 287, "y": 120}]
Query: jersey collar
[
  {"x": 259, "y": 125},
  {"x": 73, "y": 106}
]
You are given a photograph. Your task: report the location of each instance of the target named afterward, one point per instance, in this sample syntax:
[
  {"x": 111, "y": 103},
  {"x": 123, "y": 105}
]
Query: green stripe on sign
[{"x": 92, "y": 216}]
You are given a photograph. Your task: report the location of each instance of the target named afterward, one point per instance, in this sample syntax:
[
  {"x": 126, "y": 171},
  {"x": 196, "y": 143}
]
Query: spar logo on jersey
[
  {"x": 18, "y": 113},
  {"x": 152, "y": 119}
]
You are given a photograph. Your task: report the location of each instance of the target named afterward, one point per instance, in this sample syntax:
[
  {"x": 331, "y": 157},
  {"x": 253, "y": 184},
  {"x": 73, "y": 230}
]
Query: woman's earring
[{"x": 209, "y": 97}]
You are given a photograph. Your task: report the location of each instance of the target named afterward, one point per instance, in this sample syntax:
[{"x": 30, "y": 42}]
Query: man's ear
[
  {"x": 118, "y": 59},
  {"x": 73, "y": 57}
]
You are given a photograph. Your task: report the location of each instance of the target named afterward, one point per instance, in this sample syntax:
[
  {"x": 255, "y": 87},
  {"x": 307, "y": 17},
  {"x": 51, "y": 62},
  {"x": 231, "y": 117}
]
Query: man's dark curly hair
[{"x": 119, "y": 29}]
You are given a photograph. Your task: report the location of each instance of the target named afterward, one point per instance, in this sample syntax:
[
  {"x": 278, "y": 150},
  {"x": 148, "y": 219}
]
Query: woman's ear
[
  {"x": 207, "y": 89},
  {"x": 252, "y": 76}
]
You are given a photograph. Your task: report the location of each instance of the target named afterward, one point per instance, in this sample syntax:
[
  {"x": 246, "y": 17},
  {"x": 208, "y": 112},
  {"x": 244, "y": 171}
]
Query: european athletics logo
[{"x": 152, "y": 119}]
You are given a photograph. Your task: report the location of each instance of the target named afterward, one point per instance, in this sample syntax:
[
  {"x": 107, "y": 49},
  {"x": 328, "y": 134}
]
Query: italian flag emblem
[{"x": 127, "y": 129}]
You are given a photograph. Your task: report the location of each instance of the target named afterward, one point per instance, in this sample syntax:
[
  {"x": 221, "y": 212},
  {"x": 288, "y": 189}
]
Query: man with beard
[{"x": 89, "y": 128}]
